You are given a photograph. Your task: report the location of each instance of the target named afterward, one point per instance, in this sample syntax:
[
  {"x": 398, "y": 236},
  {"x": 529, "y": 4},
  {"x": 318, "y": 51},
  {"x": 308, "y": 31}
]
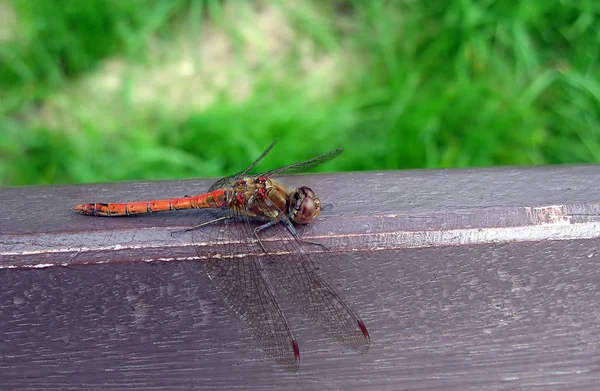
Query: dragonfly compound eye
[{"x": 305, "y": 205}]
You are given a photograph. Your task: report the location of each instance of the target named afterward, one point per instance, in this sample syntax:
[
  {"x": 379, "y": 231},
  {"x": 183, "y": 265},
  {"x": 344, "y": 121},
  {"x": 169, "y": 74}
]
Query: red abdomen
[{"x": 214, "y": 199}]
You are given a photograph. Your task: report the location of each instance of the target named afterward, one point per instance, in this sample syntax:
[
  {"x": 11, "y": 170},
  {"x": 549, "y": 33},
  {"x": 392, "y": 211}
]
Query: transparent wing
[
  {"x": 289, "y": 169},
  {"x": 297, "y": 273},
  {"x": 305, "y": 165},
  {"x": 229, "y": 180},
  {"x": 239, "y": 279}
]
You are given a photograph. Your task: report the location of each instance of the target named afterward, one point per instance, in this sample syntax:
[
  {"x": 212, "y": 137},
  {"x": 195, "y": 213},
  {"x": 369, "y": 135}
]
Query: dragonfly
[{"x": 250, "y": 206}]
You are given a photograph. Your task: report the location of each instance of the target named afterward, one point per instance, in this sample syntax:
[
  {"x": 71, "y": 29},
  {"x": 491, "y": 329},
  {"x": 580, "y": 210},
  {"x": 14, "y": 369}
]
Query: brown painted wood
[{"x": 466, "y": 279}]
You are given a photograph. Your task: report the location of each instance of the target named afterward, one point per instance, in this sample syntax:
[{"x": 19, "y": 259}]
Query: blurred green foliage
[{"x": 106, "y": 90}]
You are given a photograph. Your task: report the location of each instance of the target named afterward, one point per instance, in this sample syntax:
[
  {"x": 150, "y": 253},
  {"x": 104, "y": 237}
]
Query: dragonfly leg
[
  {"x": 207, "y": 223},
  {"x": 290, "y": 227},
  {"x": 296, "y": 235},
  {"x": 257, "y": 229},
  {"x": 283, "y": 218},
  {"x": 299, "y": 238},
  {"x": 201, "y": 225}
]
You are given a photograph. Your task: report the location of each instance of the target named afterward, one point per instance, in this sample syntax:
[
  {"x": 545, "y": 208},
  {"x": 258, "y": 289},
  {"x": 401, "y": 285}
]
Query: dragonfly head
[{"x": 304, "y": 206}]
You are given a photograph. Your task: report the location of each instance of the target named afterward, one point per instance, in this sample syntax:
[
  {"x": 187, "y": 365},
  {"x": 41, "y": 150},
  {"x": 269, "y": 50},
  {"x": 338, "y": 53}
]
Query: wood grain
[{"x": 467, "y": 279}]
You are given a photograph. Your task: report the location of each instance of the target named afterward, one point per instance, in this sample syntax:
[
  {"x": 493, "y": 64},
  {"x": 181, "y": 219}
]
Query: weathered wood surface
[{"x": 466, "y": 279}]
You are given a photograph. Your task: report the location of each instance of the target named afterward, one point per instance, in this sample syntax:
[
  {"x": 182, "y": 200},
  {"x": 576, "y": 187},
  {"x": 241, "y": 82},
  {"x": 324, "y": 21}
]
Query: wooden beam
[{"x": 465, "y": 279}]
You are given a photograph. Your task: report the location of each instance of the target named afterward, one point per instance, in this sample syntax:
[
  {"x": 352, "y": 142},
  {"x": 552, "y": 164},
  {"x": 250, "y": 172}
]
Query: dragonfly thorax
[{"x": 264, "y": 199}]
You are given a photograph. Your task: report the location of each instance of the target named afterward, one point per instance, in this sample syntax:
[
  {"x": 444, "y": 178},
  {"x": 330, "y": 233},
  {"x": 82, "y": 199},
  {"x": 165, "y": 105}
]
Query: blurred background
[{"x": 112, "y": 90}]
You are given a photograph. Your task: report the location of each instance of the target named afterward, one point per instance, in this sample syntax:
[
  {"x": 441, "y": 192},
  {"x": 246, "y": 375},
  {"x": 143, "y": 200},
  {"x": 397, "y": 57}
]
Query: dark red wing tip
[
  {"x": 363, "y": 329},
  {"x": 296, "y": 349},
  {"x": 291, "y": 365}
]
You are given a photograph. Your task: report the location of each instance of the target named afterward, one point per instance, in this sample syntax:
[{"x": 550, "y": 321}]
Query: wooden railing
[{"x": 465, "y": 278}]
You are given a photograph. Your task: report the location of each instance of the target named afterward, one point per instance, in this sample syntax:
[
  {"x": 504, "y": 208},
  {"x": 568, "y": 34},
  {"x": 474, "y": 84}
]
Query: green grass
[{"x": 109, "y": 90}]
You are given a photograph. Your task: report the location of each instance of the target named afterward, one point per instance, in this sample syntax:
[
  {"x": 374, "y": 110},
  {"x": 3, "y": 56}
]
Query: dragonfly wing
[
  {"x": 230, "y": 180},
  {"x": 239, "y": 279},
  {"x": 289, "y": 169},
  {"x": 298, "y": 274},
  {"x": 305, "y": 165}
]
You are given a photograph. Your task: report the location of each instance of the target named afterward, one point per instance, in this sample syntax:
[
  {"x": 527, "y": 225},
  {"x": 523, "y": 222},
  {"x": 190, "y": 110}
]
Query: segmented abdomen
[{"x": 214, "y": 199}]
